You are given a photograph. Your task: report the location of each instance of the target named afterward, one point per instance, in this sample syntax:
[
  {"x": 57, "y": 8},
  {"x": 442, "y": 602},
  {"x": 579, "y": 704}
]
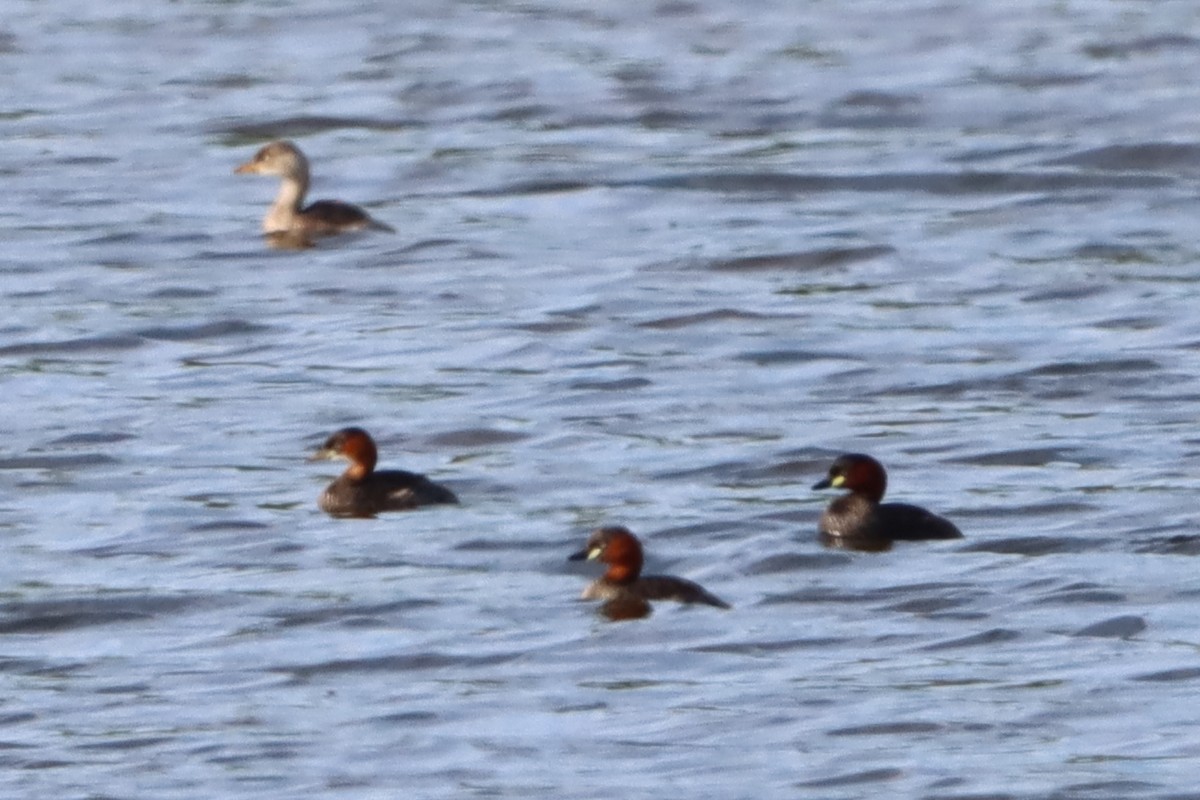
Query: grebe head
[
  {"x": 280, "y": 158},
  {"x": 859, "y": 473},
  {"x": 353, "y": 444},
  {"x": 618, "y": 548}
]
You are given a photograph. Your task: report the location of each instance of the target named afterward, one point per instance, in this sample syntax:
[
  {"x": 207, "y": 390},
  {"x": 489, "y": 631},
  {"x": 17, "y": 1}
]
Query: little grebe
[
  {"x": 859, "y": 521},
  {"x": 287, "y": 216},
  {"x": 627, "y": 595},
  {"x": 360, "y": 491}
]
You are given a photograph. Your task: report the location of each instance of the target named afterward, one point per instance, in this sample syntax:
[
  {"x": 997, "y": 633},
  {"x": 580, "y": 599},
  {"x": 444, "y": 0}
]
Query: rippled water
[{"x": 657, "y": 265}]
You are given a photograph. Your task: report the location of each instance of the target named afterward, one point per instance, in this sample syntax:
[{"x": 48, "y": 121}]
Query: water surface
[{"x": 657, "y": 264}]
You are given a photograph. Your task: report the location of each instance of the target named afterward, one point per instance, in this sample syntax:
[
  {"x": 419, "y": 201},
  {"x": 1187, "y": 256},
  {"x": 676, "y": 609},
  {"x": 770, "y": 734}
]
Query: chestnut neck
[
  {"x": 623, "y": 554},
  {"x": 360, "y": 450}
]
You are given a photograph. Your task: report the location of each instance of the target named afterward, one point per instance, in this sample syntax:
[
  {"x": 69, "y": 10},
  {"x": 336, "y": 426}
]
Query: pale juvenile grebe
[
  {"x": 624, "y": 589},
  {"x": 286, "y": 216},
  {"x": 360, "y": 491},
  {"x": 859, "y": 521}
]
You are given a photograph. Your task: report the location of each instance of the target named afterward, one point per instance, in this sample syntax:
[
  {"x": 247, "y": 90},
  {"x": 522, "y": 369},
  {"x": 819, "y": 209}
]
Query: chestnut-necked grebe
[
  {"x": 360, "y": 491},
  {"x": 859, "y": 521},
  {"x": 624, "y": 589}
]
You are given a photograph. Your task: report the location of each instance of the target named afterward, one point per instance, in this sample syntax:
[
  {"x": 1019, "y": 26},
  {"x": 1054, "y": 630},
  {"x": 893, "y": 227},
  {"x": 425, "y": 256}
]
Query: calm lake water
[{"x": 656, "y": 265}]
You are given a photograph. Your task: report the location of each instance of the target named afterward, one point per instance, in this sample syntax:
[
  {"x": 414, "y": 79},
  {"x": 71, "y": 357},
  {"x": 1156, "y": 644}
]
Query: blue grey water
[{"x": 656, "y": 265}]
